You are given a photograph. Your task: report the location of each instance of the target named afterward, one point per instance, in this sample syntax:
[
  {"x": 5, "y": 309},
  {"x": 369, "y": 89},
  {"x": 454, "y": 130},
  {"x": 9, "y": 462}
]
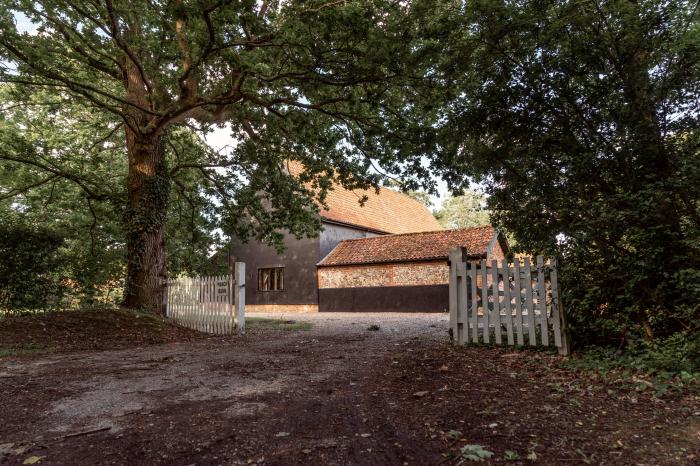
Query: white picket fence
[
  {"x": 506, "y": 303},
  {"x": 209, "y": 304}
]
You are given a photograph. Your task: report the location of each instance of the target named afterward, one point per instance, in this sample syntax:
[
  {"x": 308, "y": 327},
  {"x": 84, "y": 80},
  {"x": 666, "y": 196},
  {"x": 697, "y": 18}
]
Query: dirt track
[{"x": 336, "y": 394}]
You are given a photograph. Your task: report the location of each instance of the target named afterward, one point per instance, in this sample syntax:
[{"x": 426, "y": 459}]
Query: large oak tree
[{"x": 328, "y": 83}]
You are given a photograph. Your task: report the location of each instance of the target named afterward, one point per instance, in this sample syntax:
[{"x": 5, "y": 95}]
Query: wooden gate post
[
  {"x": 458, "y": 294},
  {"x": 565, "y": 348},
  {"x": 239, "y": 295},
  {"x": 454, "y": 257}
]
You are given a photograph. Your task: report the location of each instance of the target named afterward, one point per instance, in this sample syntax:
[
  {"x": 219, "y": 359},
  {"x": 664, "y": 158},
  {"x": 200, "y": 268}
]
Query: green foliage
[
  {"x": 276, "y": 324},
  {"x": 582, "y": 123},
  {"x": 675, "y": 356},
  {"x": 48, "y": 136},
  {"x": 31, "y": 266},
  {"x": 475, "y": 453},
  {"x": 465, "y": 210},
  {"x": 89, "y": 214},
  {"x": 322, "y": 84}
]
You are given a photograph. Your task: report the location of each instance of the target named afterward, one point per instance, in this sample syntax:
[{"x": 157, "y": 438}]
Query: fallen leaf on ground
[
  {"x": 421, "y": 393},
  {"x": 33, "y": 459}
]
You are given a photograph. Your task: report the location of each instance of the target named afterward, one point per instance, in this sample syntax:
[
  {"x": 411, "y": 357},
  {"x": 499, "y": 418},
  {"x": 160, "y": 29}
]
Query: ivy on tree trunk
[{"x": 144, "y": 222}]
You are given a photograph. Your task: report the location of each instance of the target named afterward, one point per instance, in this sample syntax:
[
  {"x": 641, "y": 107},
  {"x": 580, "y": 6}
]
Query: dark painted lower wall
[{"x": 427, "y": 298}]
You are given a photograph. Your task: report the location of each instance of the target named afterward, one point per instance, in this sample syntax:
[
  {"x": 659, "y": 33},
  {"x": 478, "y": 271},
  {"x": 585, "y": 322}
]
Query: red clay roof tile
[
  {"x": 388, "y": 212},
  {"x": 410, "y": 246}
]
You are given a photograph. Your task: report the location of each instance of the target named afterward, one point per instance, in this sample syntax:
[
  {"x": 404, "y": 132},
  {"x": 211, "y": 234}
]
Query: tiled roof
[
  {"x": 388, "y": 212},
  {"x": 410, "y": 246}
]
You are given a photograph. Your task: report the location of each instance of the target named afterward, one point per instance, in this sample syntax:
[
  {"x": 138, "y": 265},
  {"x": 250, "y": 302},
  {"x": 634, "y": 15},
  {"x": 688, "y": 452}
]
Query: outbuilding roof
[
  {"x": 387, "y": 212},
  {"x": 429, "y": 245}
]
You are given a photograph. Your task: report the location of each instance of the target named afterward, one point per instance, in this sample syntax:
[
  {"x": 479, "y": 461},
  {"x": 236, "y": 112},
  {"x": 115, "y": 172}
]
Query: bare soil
[
  {"x": 338, "y": 393},
  {"x": 99, "y": 329}
]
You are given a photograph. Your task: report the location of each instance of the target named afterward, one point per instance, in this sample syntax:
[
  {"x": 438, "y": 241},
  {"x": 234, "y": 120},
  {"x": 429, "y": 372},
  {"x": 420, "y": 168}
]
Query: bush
[
  {"x": 674, "y": 355},
  {"x": 30, "y": 267},
  {"x": 672, "y": 361},
  {"x": 612, "y": 302}
]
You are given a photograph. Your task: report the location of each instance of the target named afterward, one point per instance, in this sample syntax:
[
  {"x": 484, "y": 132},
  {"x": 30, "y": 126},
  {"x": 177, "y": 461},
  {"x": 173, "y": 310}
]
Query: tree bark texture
[{"x": 148, "y": 187}]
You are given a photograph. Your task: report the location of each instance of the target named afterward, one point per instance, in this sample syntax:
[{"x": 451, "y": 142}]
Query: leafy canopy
[
  {"x": 582, "y": 119},
  {"x": 46, "y": 138},
  {"x": 334, "y": 85}
]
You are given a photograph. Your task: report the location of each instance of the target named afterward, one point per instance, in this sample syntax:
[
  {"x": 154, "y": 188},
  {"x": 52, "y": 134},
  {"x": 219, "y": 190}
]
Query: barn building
[
  {"x": 389, "y": 254},
  {"x": 287, "y": 281}
]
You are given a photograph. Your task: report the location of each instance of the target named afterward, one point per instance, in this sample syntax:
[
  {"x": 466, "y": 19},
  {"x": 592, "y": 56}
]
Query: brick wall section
[{"x": 396, "y": 274}]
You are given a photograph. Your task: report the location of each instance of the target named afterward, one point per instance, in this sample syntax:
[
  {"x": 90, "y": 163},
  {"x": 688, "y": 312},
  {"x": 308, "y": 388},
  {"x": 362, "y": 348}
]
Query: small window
[{"x": 271, "y": 279}]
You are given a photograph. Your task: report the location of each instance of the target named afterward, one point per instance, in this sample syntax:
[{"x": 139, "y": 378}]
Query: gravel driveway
[{"x": 391, "y": 324}]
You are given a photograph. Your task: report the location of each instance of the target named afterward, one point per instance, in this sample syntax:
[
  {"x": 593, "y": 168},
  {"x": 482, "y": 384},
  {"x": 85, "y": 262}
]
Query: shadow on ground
[{"x": 337, "y": 393}]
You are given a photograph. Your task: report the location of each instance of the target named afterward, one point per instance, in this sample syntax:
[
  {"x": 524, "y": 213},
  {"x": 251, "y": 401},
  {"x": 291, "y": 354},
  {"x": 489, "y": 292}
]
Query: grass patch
[
  {"x": 276, "y": 324},
  {"x": 21, "y": 349}
]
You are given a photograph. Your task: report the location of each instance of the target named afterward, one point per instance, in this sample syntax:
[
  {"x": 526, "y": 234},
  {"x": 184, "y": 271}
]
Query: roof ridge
[
  {"x": 385, "y": 211},
  {"x": 416, "y": 233}
]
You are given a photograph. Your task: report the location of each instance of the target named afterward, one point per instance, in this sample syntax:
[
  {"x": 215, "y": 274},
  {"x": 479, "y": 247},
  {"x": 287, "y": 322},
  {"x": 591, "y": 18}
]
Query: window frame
[{"x": 275, "y": 277}]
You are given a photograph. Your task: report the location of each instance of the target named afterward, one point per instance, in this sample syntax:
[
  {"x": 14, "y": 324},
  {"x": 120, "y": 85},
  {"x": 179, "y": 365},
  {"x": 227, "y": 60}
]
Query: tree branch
[
  {"x": 70, "y": 84},
  {"x": 17, "y": 191},
  {"x": 81, "y": 182},
  {"x": 116, "y": 35}
]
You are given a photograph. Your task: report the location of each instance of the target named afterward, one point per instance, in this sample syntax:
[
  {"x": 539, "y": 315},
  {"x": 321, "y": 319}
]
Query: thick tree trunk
[{"x": 144, "y": 222}]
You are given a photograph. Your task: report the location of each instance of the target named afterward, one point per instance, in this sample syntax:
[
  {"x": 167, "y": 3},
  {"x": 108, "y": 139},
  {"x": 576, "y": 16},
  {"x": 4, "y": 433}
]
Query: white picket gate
[
  {"x": 209, "y": 304},
  {"x": 511, "y": 302}
]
